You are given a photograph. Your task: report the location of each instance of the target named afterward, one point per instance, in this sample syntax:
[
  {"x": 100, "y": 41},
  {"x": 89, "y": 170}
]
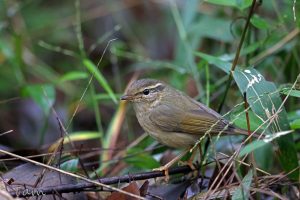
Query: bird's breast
[{"x": 171, "y": 139}]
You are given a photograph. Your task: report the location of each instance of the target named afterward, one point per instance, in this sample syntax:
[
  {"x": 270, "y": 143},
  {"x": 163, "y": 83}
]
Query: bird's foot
[
  {"x": 165, "y": 169},
  {"x": 188, "y": 163}
]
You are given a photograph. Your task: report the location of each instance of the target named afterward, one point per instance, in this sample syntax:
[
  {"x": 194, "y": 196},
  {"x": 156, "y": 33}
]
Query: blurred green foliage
[{"x": 50, "y": 50}]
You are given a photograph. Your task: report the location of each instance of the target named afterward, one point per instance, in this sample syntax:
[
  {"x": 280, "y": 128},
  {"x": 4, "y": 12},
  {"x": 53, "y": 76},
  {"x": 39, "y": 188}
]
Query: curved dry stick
[{"x": 70, "y": 174}]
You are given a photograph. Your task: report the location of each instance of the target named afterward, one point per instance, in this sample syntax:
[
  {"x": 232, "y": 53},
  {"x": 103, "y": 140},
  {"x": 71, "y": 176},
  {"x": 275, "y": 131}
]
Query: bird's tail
[{"x": 237, "y": 130}]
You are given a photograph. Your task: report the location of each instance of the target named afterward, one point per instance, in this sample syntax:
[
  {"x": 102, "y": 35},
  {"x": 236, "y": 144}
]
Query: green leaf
[
  {"x": 185, "y": 46},
  {"x": 70, "y": 165},
  {"x": 293, "y": 93},
  {"x": 245, "y": 51},
  {"x": 295, "y": 124},
  {"x": 242, "y": 192},
  {"x": 189, "y": 12},
  {"x": 251, "y": 147},
  {"x": 215, "y": 28},
  {"x": 259, "y": 143},
  {"x": 74, "y": 75},
  {"x": 42, "y": 94},
  {"x": 241, "y": 121},
  {"x": 221, "y": 64},
  {"x": 84, "y": 135},
  {"x": 260, "y": 155},
  {"x": 143, "y": 62},
  {"x": 293, "y": 115},
  {"x": 100, "y": 78},
  {"x": 240, "y": 4},
  {"x": 259, "y": 22},
  {"x": 158, "y": 65},
  {"x": 265, "y": 101},
  {"x": 141, "y": 159}
]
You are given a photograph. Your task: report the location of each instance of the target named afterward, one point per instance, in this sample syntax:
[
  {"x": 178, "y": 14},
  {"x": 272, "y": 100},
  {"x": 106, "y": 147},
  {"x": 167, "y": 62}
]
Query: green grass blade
[
  {"x": 242, "y": 192},
  {"x": 100, "y": 78}
]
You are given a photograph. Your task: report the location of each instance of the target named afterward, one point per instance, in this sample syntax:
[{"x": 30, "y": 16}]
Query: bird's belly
[
  {"x": 171, "y": 139},
  {"x": 175, "y": 140}
]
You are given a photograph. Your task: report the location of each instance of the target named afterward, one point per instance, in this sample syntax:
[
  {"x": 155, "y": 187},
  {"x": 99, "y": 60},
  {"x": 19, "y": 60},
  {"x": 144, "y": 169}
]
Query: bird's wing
[{"x": 197, "y": 121}]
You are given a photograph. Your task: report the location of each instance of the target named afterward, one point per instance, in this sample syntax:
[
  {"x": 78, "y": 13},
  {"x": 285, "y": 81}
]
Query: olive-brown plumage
[{"x": 173, "y": 118}]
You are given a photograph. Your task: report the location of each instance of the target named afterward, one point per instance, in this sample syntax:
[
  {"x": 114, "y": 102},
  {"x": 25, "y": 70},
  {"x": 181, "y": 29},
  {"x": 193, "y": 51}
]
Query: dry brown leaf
[{"x": 132, "y": 188}]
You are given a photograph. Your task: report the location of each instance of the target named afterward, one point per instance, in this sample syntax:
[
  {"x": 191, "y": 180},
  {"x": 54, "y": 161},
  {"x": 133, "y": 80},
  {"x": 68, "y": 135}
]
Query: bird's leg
[
  {"x": 166, "y": 167},
  {"x": 191, "y": 159}
]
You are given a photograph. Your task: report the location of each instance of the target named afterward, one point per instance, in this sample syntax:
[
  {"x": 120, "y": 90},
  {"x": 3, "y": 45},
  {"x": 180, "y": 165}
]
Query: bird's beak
[{"x": 127, "y": 97}]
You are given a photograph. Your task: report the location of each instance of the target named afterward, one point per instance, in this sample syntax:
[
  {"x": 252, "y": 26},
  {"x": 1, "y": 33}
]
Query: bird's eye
[{"x": 146, "y": 91}]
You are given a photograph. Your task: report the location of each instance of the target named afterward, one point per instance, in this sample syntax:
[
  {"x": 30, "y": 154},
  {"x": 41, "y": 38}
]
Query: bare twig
[
  {"x": 107, "y": 181},
  {"x": 6, "y": 132},
  {"x": 246, "y": 164},
  {"x": 253, "y": 162},
  {"x": 260, "y": 57},
  {"x": 237, "y": 55},
  {"x": 70, "y": 174}
]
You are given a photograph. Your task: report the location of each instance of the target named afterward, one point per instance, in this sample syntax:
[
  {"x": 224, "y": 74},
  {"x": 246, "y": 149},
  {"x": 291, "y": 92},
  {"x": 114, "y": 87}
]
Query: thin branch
[
  {"x": 252, "y": 158},
  {"x": 237, "y": 55},
  {"x": 260, "y": 57},
  {"x": 107, "y": 181},
  {"x": 70, "y": 174},
  {"x": 6, "y": 132}
]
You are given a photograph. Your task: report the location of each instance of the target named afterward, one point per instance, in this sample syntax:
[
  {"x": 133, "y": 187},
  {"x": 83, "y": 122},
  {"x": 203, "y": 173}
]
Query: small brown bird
[{"x": 173, "y": 118}]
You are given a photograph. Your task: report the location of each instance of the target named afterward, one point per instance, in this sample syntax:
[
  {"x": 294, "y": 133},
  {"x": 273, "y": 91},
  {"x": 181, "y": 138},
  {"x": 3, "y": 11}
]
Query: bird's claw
[{"x": 165, "y": 169}]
